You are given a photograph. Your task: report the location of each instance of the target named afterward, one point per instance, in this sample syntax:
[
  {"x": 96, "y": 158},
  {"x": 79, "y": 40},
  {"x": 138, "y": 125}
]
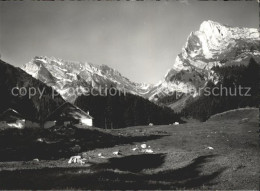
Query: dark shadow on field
[
  {"x": 106, "y": 177},
  {"x": 133, "y": 163},
  {"x": 58, "y": 142}
]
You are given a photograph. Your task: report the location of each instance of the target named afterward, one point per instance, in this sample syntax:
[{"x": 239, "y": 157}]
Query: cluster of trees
[
  {"x": 123, "y": 110},
  {"x": 231, "y": 78}
]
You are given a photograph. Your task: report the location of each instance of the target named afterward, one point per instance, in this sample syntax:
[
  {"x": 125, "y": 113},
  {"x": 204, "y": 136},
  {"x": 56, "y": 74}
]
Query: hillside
[
  {"x": 236, "y": 114},
  {"x": 229, "y": 95},
  {"x": 35, "y": 107}
]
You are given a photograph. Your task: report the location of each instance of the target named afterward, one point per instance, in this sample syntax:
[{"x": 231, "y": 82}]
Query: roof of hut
[{"x": 67, "y": 112}]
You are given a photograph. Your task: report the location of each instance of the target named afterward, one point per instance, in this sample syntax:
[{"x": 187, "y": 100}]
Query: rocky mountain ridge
[{"x": 80, "y": 77}]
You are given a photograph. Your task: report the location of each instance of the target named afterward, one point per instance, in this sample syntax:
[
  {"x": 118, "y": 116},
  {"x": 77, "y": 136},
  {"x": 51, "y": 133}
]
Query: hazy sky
[{"x": 139, "y": 39}]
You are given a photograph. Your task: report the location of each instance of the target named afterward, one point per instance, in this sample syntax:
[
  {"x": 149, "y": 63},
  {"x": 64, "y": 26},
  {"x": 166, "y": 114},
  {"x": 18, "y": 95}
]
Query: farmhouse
[
  {"x": 68, "y": 114},
  {"x": 11, "y": 118}
]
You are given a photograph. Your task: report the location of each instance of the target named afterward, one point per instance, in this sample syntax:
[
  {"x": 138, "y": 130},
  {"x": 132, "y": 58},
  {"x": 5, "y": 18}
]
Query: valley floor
[{"x": 222, "y": 153}]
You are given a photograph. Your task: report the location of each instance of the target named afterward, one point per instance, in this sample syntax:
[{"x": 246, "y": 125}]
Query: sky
[{"x": 139, "y": 39}]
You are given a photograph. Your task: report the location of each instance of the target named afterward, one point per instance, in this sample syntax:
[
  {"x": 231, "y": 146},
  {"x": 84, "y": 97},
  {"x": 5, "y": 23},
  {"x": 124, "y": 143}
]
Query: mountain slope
[
  {"x": 72, "y": 79},
  {"x": 35, "y": 107}
]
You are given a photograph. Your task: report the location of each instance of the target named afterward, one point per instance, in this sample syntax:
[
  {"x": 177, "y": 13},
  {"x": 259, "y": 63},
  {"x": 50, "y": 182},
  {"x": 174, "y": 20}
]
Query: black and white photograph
[{"x": 129, "y": 95}]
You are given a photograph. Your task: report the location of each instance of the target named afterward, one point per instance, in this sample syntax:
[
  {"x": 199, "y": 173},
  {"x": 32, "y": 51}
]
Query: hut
[{"x": 68, "y": 114}]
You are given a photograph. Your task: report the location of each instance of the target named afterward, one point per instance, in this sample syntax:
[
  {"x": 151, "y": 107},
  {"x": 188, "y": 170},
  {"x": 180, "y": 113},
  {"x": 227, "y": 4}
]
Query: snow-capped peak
[{"x": 66, "y": 75}]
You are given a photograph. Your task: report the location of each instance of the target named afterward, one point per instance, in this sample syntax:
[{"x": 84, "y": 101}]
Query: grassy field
[{"x": 222, "y": 153}]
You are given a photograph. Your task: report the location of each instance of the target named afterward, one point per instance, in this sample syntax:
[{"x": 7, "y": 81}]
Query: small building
[
  {"x": 11, "y": 118},
  {"x": 68, "y": 114},
  {"x": 176, "y": 123}
]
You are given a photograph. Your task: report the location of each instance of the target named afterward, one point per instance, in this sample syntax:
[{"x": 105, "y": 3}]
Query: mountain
[
  {"x": 36, "y": 107},
  {"x": 72, "y": 79},
  {"x": 214, "y": 44}
]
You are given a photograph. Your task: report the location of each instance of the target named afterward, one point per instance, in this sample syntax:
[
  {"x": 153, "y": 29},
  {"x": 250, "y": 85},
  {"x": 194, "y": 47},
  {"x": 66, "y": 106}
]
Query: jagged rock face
[
  {"x": 216, "y": 44},
  {"x": 213, "y": 44},
  {"x": 66, "y": 77}
]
